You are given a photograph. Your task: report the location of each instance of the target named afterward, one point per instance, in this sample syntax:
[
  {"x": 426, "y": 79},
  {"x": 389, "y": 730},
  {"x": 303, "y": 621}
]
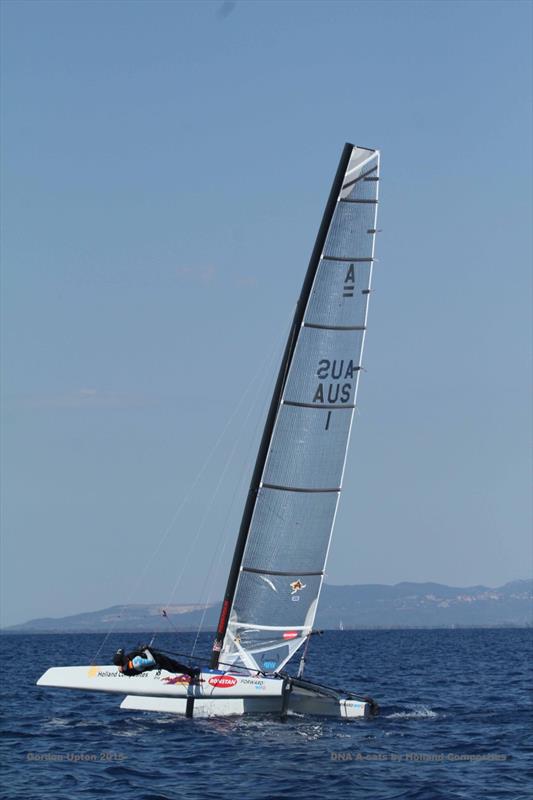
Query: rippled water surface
[{"x": 455, "y": 722}]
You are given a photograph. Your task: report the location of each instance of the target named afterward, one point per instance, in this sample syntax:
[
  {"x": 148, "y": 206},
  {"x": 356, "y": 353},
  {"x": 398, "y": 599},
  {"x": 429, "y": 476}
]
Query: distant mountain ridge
[{"x": 403, "y": 605}]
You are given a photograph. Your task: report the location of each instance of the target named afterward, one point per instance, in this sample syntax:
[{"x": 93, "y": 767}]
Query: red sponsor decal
[
  {"x": 290, "y": 634},
  {"x": 177, "y": 679},
  {"x": 223, "y": 616},
  {"x": 222, "y": 681}
]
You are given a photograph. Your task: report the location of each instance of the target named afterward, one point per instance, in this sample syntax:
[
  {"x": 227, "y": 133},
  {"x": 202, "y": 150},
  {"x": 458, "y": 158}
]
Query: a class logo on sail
[{"x": 349, "y": 282}]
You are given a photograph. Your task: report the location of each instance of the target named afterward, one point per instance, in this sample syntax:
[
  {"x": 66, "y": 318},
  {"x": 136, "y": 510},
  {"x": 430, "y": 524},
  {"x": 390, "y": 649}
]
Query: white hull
[
  {"x": 238, "y": 706},
  {"x": 215, "y": 694}
]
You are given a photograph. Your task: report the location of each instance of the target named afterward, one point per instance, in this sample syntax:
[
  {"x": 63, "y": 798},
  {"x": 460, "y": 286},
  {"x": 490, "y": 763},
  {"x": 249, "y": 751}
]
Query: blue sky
[{"x": 165, "y": 168}]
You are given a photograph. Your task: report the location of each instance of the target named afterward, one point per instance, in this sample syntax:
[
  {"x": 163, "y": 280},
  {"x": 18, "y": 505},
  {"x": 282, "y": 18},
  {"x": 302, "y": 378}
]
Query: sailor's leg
[{"x": 171, "y": 665}]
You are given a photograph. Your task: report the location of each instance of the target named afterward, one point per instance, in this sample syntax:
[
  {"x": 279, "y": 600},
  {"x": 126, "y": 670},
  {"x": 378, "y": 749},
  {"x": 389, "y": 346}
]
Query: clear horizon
[{"x": 165, "y": 169}]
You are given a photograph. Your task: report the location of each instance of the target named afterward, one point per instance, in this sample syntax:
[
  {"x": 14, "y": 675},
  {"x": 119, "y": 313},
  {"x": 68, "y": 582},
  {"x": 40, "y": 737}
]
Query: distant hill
[
  {"x": 403, "y": 605},
  {"x": 426, "y": 605}
]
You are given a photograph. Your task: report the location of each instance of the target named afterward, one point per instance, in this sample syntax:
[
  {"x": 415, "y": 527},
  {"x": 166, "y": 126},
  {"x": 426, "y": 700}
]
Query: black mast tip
[{"x": 361, "y": 147}]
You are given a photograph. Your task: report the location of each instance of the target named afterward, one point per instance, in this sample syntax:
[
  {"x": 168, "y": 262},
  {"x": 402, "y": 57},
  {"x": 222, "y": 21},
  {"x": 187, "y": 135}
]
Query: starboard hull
[
  {"x": 239, "y": 706},
  {"x": 214, "y": 694}
]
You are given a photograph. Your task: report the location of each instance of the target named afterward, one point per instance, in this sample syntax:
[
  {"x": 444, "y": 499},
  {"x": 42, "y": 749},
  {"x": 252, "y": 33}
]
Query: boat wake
[{"x": 415, "y": 712}]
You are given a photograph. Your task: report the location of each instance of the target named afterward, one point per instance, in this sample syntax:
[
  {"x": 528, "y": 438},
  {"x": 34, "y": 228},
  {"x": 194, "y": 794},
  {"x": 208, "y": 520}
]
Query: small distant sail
[{"x": 278, "y": 568}]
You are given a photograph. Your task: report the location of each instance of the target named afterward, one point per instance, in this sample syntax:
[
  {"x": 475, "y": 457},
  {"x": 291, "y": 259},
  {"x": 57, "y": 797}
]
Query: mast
[{"x": 275, "y": 403}]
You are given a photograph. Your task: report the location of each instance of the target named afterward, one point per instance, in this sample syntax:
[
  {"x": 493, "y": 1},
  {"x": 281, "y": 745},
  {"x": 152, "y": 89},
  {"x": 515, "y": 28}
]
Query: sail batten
[
  {"x": 277, "y": 572},
  {"x": 323, "y": 406},
  {"x": 296, "y": 488},
  {"x": 281, "y": 553},
  {"x": 334, "y": 327},
  {"x": 347, "y": 258}
]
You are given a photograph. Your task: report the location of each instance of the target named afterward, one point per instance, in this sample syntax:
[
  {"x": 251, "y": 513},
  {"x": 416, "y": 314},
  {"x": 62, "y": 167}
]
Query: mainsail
[{"x": 280, "y": 557}]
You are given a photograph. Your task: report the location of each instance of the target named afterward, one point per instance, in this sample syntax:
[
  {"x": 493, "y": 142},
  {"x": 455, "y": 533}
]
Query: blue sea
[{"x": 456, "y": 721}]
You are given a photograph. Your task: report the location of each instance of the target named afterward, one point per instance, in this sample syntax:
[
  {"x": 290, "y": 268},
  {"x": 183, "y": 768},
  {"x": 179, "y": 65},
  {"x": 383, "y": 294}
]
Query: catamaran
[{"x": 277, "y": 571}]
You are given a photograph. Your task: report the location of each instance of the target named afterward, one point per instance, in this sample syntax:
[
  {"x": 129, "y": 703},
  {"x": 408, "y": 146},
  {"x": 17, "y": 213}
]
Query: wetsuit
[{"x": 145, "y": 659}]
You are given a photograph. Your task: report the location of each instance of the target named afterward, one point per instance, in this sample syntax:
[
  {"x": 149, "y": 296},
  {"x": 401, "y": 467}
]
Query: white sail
[{"x": 275, "y": 600}]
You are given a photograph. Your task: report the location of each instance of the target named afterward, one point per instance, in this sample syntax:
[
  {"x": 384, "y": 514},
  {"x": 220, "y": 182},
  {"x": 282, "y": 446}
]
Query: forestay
[{"x": 281, "y": 572}]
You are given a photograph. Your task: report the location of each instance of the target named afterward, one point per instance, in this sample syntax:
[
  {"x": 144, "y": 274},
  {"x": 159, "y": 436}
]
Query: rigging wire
[
  {"x": 166, "y": 531},
  {"x": 223, "y": 535},
  {"x": 264, "y": 372}
]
